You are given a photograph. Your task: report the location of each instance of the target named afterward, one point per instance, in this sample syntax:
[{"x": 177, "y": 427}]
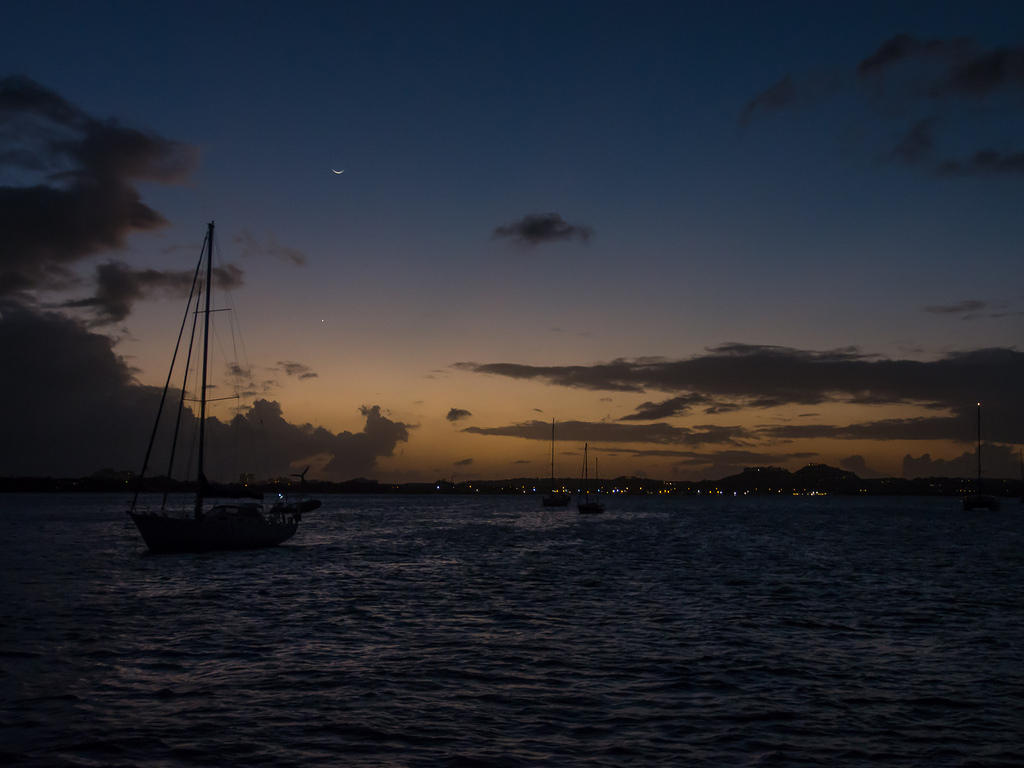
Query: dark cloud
[
  {"x": 1003, "y": 422},
  {"x": 250, "y": 246},
  {"x": 299, "y": 370},
  {"x": 998, "y": 461},
  {"x": 858, "y": 466},
  {"x": 79, "y": 197},
  {"x": 537, "y": 228},
  {"x": 985, "y": 72},
  {"x": 676, "y": 406},
  {"x": 93, "y": 414},
  {"x": 119, "y": 286},
  {"x": 270, "y": 444},
  {"x": 903, "y": 47},
  {"x": 916, "y": 144},
  {"x": 611, "y": 432},
  {"x": 765, "y": 376},
  {"x": 762, "y": 377},
  {"x": 455, "y": 414},
  {"x": 968, "y": 306},
  {"x": 908, "y": 74},
  {"x": 609, "y": 377},
  {"x": 985, "y": 161},
  {"x": 972, "y": 309},
  {"x": 463, "y": 462},
  {"x": 781, "y": 95},
  {"x": 919, "y": 428}
]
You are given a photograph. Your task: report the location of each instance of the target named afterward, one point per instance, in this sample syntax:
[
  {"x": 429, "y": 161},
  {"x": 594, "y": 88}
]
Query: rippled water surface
[{"x": 418, "y": 631}]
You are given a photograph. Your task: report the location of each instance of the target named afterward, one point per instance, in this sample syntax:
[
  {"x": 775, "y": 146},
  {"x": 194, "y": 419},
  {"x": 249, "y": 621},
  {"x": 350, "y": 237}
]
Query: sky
[{"x": 698, "y": 236}]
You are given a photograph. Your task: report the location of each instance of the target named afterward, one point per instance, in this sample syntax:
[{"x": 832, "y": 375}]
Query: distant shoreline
[{"x": 814, "y": 479}]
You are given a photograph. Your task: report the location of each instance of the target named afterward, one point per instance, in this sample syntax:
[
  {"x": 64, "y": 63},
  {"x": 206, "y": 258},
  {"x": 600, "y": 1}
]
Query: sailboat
[
  {"x": 217, "y": 526},
  {"x": 979, "y": 500},
  {"x": 586, "y": 505},
  {"x": 554, "y": 498},
  {"x": 1020, "y": 457}
]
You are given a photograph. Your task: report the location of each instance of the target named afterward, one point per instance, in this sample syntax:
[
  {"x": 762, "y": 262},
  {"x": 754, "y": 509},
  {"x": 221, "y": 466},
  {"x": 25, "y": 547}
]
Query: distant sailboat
[
  {"x": 979, "y": 500},
  {"x": 555, "y": 498},
  {"x": 586, "y": 505},
  {"x": 235, "y": 525}
]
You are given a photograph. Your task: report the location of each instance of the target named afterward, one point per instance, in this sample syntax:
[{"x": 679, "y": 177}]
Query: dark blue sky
[{"x": 721, "y": 174}]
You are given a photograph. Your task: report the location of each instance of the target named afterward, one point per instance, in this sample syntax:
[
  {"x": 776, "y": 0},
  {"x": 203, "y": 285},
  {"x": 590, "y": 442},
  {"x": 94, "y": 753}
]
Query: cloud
[
  {"x": 611, "y": 432},
  {"x": 972, "y": 309},
  {"x": 916, "y": 143},
  {"x": 92, "y": 413},
  {"x": 985, "y": 161},
  {"x": 270, "y": 444},
  {"x": 985, "y": 72},
  {"x": 676, "y": 406},
  {"x": 734, "y": 376},
  {"x": 781, "y": 95},
  {"x": 119, "y": 286},
  {"x": 79, "y": 196},
  {"x": 250, "y": 246},
  {"x": 958, "y": 67},
  {"x": 998, "y": 461},
  {"x": 299, "y": 370},
  {"x": 463, "y": 462},
  {"x": 918, "y": 428},
  {"x": 858, "y": 466},
  {"x": 903, "y": 47},
  {"x": 937, "y": 76},
  {"x": 457, "y": 413},
  {"x": 968, "y": 306},
  {"x": 536, "y": 228}
]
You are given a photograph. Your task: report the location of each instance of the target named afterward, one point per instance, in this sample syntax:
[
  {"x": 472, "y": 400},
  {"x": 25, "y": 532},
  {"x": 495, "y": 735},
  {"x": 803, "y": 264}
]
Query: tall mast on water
[{"x": 201, "y": 479}]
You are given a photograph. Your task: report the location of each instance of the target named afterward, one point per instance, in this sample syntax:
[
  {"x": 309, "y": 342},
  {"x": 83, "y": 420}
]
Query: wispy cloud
[
  {"x": 299, "y": 370},
  {"x": 780, "y": 95},
  {"x": 903, "y": 47},
  {"x": 612, "y": 432},
  {"x": 968, "y": 306},
  {"x": 936, "y": 78},
  {"x": 455, "y": 414},
  {"x": 985, "y": 161},
  {"x": 250, "y": 245}
]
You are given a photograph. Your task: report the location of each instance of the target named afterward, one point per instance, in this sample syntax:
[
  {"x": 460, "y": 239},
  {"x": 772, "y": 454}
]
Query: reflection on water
[{"x": 417, "y": 631}]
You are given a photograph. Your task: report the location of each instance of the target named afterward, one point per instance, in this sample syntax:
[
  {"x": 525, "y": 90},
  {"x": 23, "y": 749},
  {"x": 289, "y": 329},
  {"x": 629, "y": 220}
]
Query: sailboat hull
[
  {"x": 981, "y": 501},
  {"x": 164, "y": 534}
]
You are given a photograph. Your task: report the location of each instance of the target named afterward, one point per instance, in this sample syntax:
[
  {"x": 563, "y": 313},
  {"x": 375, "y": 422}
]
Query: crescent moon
[{"x": 334, "y": 171}]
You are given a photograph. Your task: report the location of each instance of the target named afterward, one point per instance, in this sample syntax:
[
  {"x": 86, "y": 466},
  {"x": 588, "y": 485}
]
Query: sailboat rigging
[
  {"x": 232, "y": 525},
  {"x": 586, "y": 505},
  {"x": 979, "y": 500},
  {"x": 555, "y": 498}
]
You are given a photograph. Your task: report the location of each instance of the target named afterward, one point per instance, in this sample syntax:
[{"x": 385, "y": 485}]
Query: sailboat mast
[
  {"x": 201, "y": 479},
  {"x": 552, "y": 455},
  {"x": 586, "y": 483},
  {"x": 979, "y": 447}
]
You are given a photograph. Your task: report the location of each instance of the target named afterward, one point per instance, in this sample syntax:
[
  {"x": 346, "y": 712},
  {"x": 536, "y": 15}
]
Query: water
[{"x": 487, "y": 631}]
